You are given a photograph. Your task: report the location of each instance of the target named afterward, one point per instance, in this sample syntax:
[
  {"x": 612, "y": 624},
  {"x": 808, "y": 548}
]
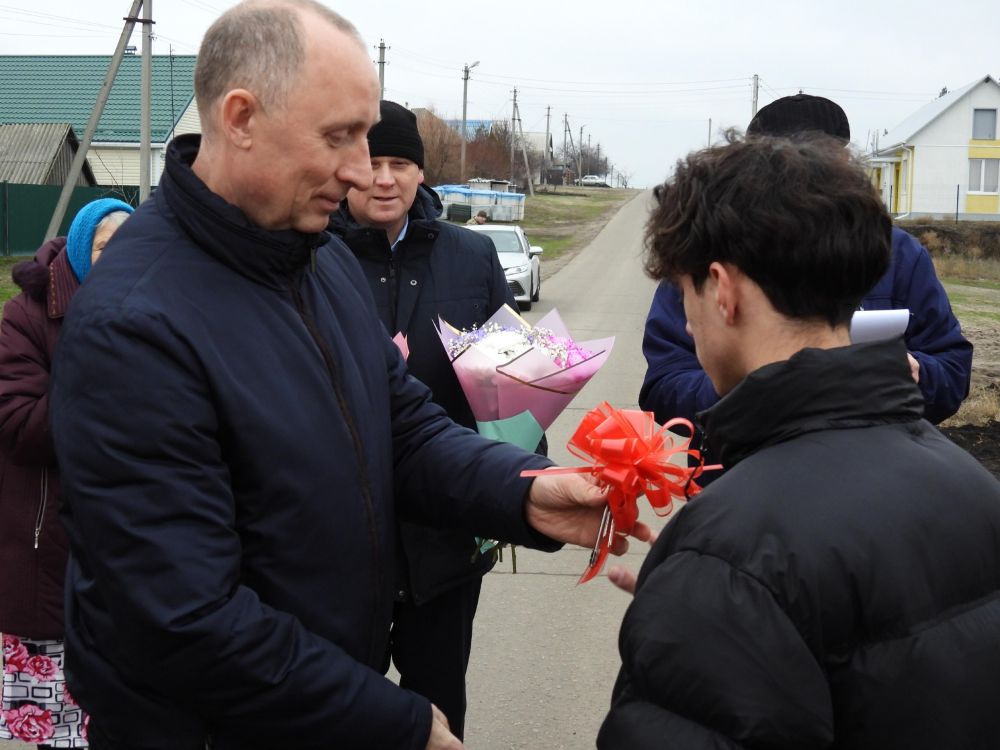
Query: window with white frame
[
  {"x": 984, "y": 175},
  {"x": 984, "y": 124}
]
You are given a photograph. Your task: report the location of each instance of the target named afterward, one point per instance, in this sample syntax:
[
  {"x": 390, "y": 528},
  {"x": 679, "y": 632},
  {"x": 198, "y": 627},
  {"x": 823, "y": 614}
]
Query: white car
[
  {"x": 518, "y": 258},
  {"x": 592, "y": 180}
]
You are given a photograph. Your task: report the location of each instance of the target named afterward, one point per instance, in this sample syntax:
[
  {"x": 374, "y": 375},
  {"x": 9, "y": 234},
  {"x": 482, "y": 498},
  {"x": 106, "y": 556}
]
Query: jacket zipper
[
  {"x": 393, "y": 291},
  {"x": 41, "y": 505},
  {"x": 366, "y": 492},
  {"x": 701, "y": 461}
]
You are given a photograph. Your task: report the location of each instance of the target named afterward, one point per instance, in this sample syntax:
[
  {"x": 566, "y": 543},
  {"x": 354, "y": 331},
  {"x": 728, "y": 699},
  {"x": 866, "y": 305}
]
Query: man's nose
[
  {"x": 356, "y": 169},
  {"x": 382, "y": 174}
]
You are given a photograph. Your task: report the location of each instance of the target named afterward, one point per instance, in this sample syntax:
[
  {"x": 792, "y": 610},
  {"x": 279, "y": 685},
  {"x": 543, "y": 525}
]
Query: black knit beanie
[
  {"x": 396, "y": 134},
  {"x": 802, "y": 112}
]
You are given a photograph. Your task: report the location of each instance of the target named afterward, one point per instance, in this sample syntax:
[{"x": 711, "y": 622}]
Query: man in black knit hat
[
  {"x": 939, "y": 356},
  {"x": 420, "y": 268}
]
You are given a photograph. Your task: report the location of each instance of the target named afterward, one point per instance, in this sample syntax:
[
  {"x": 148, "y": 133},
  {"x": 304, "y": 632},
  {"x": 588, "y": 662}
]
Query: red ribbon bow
[{"x": 630, "y": 456}]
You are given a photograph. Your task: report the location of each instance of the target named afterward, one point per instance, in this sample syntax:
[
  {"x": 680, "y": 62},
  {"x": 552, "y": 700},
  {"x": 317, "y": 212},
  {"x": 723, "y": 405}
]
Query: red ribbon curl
[{"x": 630, "y": 456}]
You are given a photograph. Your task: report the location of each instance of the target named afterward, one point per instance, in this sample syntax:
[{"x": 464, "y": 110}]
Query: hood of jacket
[
  {"x": 816, "y": 389},
  {"x": 224, "y": 231},
  {"x": 48, "y": 278}
]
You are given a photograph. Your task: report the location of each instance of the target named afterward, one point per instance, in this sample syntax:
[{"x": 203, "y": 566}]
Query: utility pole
[
  {"x": 565, "y": 132},
  {"x": 709, "y": 132},
  {"x": 465, "y": 135},
  {"x": 513, "y": 118},
  {"x": 95, "y": 115},
  {"x": 545, "y": 155},
  {"x": 572, "y": 146},
  {"x": 579, "y": 156},
  {"x": 381, "y": 68},
  {"x": 524, "y": 148},
  {"x": 590, "y": 161},
  {"x": 145, "y": 113},
  {"x": 756, "y": 85}
]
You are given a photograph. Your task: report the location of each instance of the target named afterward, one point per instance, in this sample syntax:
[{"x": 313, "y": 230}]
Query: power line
[{"x": 33, "y": 16}]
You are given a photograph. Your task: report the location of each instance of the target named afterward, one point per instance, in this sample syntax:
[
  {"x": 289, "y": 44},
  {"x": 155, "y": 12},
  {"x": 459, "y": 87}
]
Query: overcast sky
[{"x": 642, "y": 78}]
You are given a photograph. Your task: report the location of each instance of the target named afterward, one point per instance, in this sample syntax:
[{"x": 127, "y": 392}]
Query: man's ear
[
  {"x": 725, "y": 278},
  {"x": 240, "y": 110},
  {"x": 420, "y": 178}
]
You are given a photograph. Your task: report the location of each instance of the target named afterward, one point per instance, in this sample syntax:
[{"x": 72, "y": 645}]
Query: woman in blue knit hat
[{"x": 34, "y": 705}]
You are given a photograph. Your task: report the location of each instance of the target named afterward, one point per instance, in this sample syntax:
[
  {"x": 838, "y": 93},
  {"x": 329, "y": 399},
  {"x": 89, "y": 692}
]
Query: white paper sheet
[{"x": 877, "y": 325}]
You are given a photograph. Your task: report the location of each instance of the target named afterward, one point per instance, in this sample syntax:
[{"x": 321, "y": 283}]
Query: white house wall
[
  {"x": 942, "y": 155},
  {"x": 189, "y": 122},
  {"x": 119, "y": 165}
]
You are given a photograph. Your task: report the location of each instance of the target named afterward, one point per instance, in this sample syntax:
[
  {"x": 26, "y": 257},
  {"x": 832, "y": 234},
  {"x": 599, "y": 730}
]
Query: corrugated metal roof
[
  {"x": 924, "y": 116},
  {"x": 28, "y": 152},
  {"x": 64, "y": 88}
]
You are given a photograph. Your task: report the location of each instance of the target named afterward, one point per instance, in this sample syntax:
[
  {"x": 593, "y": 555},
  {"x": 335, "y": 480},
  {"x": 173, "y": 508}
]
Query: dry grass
[
  {"x": 565, "y": 220},
  {"x": 969, "y": 268},
  {"x": 982, "y": 405}
]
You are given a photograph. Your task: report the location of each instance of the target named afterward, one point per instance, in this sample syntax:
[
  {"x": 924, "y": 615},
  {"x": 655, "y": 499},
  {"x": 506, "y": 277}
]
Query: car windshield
[{"x": 506, "y": 242}]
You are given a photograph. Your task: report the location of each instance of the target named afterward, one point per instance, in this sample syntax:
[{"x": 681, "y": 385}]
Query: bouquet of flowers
[{"x": 518, "y": 378}]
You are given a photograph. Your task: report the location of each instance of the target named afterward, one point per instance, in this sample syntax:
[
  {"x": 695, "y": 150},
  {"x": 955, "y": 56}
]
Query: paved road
[
  {"x": 545, "y": 655},
  {"x": 545, "y": 650}
]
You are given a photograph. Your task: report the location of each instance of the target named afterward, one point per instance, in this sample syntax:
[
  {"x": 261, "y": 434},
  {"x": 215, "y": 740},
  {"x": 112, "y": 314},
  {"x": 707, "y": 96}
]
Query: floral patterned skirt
[{"x": 35, "y": 705}]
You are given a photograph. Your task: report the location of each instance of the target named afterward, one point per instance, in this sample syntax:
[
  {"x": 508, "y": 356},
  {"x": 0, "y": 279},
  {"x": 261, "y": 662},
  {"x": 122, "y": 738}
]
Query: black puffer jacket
[
  {"x": 237, "y": 434},
  {"x": 838, "y": 587},
  {"x": 437, "y": 269}
]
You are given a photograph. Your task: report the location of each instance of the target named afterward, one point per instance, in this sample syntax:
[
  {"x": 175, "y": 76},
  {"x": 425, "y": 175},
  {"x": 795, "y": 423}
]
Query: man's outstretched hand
[
  {"x": 441, "y": 737},
  {"x": 568, "y": 508}
]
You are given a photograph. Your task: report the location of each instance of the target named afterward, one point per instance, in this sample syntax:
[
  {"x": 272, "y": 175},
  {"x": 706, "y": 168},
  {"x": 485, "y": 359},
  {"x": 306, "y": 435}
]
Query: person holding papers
[{"x": 939, "y": 355}]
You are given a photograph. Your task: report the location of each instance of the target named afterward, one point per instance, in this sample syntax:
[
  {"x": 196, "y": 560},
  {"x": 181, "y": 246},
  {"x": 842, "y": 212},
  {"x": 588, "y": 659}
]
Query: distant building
[
  {"x": 46, "y": 89},
  {"x": 945, "y": 157},
  {"x": 40, "y": 154},
  {"x": 471, "y": 127}
]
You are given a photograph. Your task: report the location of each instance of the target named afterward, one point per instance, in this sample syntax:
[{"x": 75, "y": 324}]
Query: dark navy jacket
[
  {"x": 236, "y": 433},
  {"x": 437, "y": 269},
  {"x": 838, "y": 587},
  {"x": 676, "y": 386}
]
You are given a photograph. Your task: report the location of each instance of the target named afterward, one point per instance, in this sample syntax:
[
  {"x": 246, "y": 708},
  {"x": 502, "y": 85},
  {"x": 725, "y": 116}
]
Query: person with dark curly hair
[
  {"x": 34, "y": 705},
  {"x": 839, "y": 585}
]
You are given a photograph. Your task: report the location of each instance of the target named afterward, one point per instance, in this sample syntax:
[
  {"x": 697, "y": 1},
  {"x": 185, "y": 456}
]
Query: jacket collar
[
  {"x": 223, "y": 231},
  {"x": 62, "y": 285},
  {"x": 817, "y": 389}
]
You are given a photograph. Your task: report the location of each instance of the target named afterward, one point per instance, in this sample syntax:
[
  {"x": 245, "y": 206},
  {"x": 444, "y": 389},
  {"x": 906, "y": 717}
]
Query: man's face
[
  {"x": 393, "y": 189},
  {"x": 712, "y": 337},
  {"x": 306, "y": 156}
]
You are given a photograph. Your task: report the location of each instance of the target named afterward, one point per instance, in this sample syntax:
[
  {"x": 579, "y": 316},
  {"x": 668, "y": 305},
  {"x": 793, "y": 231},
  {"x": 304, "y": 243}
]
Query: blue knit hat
[{"x": 80, "y": 241}]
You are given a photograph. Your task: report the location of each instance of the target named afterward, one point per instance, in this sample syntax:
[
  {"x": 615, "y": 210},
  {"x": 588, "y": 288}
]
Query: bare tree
[
  {"x": 488, "y": 153},
  {"x": 442, "y": 148}
]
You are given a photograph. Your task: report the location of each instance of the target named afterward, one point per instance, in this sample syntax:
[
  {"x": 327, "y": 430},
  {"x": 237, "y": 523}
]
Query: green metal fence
[{"x": 25, "y": 211}]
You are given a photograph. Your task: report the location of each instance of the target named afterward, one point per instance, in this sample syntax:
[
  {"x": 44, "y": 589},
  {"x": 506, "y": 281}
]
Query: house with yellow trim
[{"x": 944, "y": 159}]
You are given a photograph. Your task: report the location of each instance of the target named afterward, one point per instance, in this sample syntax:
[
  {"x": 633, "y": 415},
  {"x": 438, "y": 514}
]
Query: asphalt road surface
[{"x": 544, "y": 655}]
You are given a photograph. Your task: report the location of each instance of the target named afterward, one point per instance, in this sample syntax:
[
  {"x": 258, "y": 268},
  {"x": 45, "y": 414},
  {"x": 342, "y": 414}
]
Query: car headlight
[{"x": 517, "y": 269}]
